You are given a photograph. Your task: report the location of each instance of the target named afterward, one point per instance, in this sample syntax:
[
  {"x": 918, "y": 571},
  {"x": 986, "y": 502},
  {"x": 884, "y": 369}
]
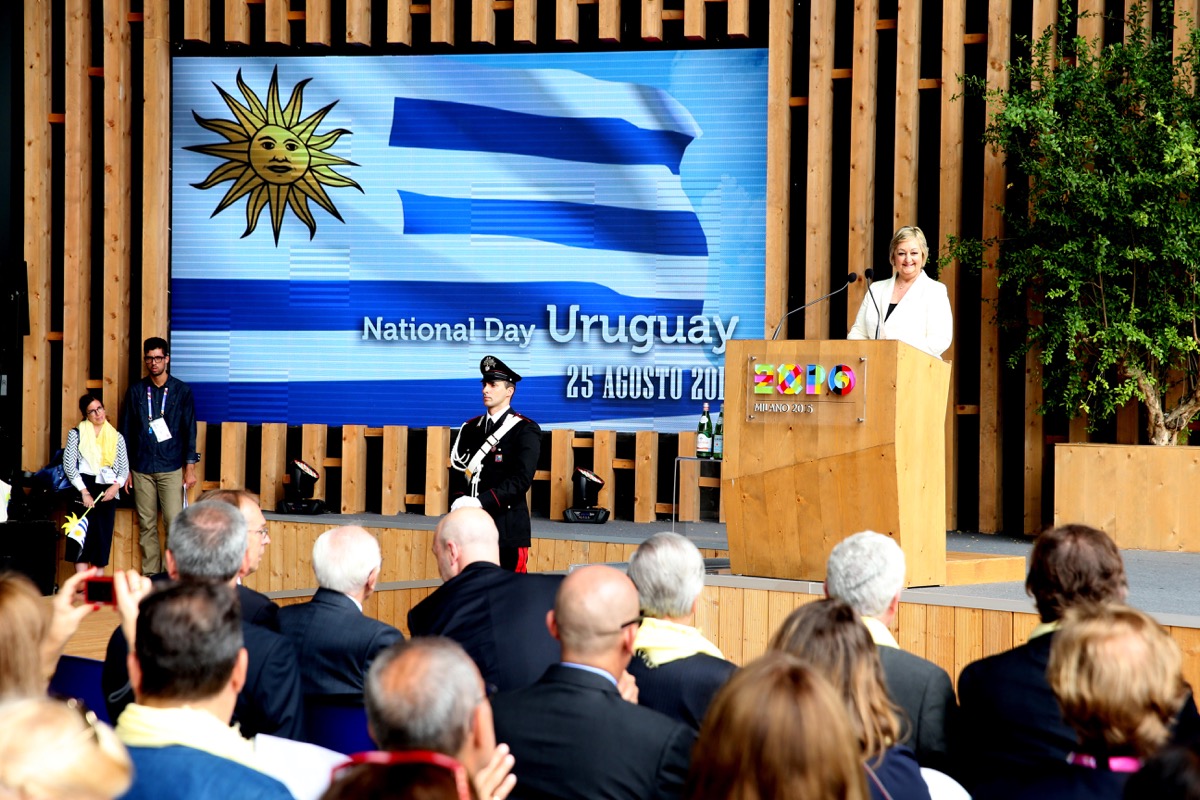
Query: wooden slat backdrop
[{"x": 116, "y": 320}]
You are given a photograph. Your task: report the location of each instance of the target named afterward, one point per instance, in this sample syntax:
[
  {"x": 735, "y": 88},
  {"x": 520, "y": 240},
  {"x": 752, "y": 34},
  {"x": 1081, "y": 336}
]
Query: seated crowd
[{"x": 596, "y": 685}]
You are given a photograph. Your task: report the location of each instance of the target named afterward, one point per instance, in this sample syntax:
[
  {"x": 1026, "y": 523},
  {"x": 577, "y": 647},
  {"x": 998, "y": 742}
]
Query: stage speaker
[
  {"x": 31, "y": 548},
  {"x": 298, "y": 491},
  {"x": 587, "y": 489}
]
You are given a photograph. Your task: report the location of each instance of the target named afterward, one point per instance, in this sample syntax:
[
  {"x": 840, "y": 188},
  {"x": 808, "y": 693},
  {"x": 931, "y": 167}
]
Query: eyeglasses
[
  {"x": 94, "y": 411},
  {"x": 638, "y": 620},
  {"x": 155, "y": 359},
  {"x": 387, "y": 758},
  {"x": 263, "y": 531}
]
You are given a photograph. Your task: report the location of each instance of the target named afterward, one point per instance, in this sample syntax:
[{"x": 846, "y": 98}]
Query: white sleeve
[
  {"x": 939, "y": 321},
  {"x": 860, "y": 330}
]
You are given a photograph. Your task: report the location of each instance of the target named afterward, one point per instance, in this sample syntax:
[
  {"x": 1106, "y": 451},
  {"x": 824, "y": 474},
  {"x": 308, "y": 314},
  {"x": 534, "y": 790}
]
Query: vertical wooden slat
[
  {"x": 950, "y": 212},
  {"x": 318, "y": 22},
  {"x": 1091, "y": 21},
  {"x": 908, "y": 113},
  {"x": 314, "y": 441},
  {"x": 610, "y": 21},
  {"x": 197, "y": 21},
  {"x": 525, "y": 20},
  {"x": 77, "y": 216},
  {"x": 358, "y": 21},
  {"x": 562, "y": 469},
  {"x": 437, "y": 475},
  {"x": 233, "y": 455},
  {"x": 990, "y": 472},
  {"x": 354, "y": 469},
  {"x": 819, "y": 217},
  {"x": 1184, "y": 9},
  {"x": 118, "y": 175},
  {"x": 441, "y": 21},
  {"x": 156, "y": 171},
  {"x": 276, "y": 28},
  {"x": 399, "y": 22},
  {"x": 1146, "y": 20},
  {"x": 652, "y": 23},
  {"x": 968, "y": 638},
  {"x": 645, "y": 476},
  {"x": 755, "y": 628},
  {"x": 730, "y": 614},
  {"x": 35, "y": 422},
  {"x": 237, "y": 21},
  {"x": 738, "y": 24},
  {"x": 273, "y": 464},
  {"x": 483, "y": 21},
  {"x": 201, "y": 468},
  {"x": 395, "y": 468},
  {"x": 779, "y": 171},
  {"x": 566, "y": 21},
  {"x": 604, "y": 450},
  {"x": 688, "y": 473},
  {"x": 863, "y": 103},
  {"x": 695, "y": 23}
]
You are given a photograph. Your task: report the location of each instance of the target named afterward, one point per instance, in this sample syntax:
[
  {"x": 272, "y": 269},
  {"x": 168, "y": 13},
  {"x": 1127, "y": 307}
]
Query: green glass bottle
[
  {"x": 718, "y": 448},
  {"x": 704, "y": 435}
]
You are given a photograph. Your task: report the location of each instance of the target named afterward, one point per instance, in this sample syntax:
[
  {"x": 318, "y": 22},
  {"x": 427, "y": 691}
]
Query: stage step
[{"x": 968, "y": 568}]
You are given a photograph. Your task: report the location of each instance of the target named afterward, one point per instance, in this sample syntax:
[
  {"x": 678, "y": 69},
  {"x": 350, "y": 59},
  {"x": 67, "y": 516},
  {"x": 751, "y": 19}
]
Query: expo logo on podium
[{"x": 808, "y": 381}]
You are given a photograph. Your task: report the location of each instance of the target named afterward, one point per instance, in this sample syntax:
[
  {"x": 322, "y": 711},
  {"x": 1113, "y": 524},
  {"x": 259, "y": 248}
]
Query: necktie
[{"x": 489, "y": 427}]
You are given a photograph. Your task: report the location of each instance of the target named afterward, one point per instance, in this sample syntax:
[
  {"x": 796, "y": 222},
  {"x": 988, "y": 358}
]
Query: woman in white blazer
[{"x": 915, "y": 307}]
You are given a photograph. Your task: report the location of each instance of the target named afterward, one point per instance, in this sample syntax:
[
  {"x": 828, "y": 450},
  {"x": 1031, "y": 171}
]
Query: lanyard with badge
[{"x": 158, "y": 425}]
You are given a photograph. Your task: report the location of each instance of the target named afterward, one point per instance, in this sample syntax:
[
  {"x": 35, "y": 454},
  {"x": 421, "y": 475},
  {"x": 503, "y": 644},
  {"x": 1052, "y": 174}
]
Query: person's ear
[
  {"x": 172, "y": 568},
  {"x": 552, "y": 624},
  {"x": 135, "y": 672},
  {"x": 238, "y": 679}
]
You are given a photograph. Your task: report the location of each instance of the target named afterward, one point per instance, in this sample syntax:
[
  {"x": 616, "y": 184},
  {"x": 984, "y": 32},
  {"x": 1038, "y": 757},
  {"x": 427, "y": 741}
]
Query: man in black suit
[
  {"x": 338, "y": 641},
  {"x": 257, "y": 608},
  {"x": 1011, "y": 722},
  {"x": 499, "y": 617},
  {"x": 572, "y": 734},
  {"x": 678, "y": 671},
  {"x": 209, "y": 544},
  {"x": 493, "y": 462},
  {"x": 866, "y": 571}
]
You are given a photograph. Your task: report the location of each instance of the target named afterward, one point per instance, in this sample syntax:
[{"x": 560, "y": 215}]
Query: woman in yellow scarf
[{"x": 97, "y": 465}]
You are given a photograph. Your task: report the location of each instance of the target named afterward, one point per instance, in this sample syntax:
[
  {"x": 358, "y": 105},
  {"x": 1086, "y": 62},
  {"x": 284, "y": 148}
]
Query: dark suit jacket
[
  {"x": 336, "y": 642},
  {"x": 499, "y": 618},
  {"x": 681, "y": 689},
  {"x": 574, "y": 738},
  {"x": 258, "y": 609},
  {"x": 270, "y": 702},
  {"x": 924, "y": 691},
  {"x": 506, "y": 474}
]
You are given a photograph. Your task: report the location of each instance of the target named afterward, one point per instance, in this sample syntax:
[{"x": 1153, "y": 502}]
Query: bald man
[
  {"x": 571, "y": 733},
  {"x": 336, "y": 640},
  {"x": 499, "y": 617}
]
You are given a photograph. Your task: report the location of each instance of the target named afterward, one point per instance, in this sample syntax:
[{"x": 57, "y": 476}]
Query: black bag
[{"x": 52, "y": 477}]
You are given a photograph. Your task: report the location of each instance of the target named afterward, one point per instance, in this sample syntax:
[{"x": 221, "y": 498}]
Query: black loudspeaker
[
  {"x": 587, "y": 488},
  {"x": 298, "y": 491},
  {"x": 31, "y": 548}
]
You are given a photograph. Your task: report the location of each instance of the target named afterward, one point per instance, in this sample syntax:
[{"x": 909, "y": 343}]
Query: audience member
[
  {"x": 427, "y": 694},
  {"x": 51, "y": 750},
  {"x": 1117, "y": 676},
  {"x": 1010, "y": 722},
  {"x": 499, "y": 617},
  {"x": 208, "y": 543},
  {"x": 866, "y": 571},
  {"x": 338, "y": 640},
  {"x": 257, "y": 608},
  {"x": 678, "y": 671},
  {"x": 413, "y": 775},
  {"x": 830, "y": 636},
  {"x": 33, "y": 633},
  {"x": 1171, "y": 774},
  {"x": 187, "y": 669},
  {"x": 777, "y": 731},
  {"x": 572, "y": 733}
]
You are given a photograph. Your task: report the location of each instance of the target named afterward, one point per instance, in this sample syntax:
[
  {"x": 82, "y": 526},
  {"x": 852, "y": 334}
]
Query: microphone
[
  {"x": 851, "y": 278},
  {"x": 869, "y": 273}
]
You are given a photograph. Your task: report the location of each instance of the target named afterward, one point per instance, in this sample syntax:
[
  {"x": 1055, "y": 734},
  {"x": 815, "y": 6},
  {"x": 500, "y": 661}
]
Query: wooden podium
[{"x": 855, "y": 441}]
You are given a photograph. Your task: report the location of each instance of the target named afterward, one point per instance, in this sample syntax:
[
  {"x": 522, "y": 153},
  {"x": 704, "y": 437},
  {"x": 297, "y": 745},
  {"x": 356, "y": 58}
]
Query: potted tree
[{"x": 1105, "y": 247}]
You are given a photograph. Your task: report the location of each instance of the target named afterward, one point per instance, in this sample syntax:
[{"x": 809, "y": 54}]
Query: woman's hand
[
  {"x": 495, "y": 780},
  {"x": 86, "y": 498},
  {"x": 65, "y": 617},
  {"x": 110, "y": 492},
  {"x": 129, "y": 587}
]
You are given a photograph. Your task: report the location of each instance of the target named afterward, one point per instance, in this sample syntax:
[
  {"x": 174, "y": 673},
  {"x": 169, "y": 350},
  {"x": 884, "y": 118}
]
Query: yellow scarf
[
  {"x": 98, "y": 449},
  {"x": 661, "y": 642},
  {"x": 146, "y": 726}
]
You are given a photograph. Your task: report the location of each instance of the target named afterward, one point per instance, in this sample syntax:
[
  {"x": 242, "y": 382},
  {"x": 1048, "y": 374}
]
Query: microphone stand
[
  {"x": 869, "y": 273},
  {"x": 851, "y": 278}
]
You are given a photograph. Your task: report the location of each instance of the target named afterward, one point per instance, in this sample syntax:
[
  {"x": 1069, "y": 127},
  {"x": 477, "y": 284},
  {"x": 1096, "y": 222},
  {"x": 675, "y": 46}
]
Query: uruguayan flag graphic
[{"x": 596, "y": 221}]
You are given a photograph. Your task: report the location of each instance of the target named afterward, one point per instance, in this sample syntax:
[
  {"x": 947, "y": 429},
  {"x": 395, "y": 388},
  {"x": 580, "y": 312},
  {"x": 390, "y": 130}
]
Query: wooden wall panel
[
  {"x": 395, "y": 469},
  {"x": 313, "y": 449},
  {"x": 318, "y": 22},
  {"x": 483, "y": 21},
  {"x": 441, "y": 21},
  {"x": 819, "y": 217},
  {"x": 118, "y": 210},
  {"x": 197, "y": 20},
  {"x": 399, "y": 22},
  {"x": 77, "y": 218},
  {"x": 525, "y": 19},
  {"x": 1091, "y": 21},
  {"x": 358, "y": 21},
  {"x": 566, "y": 21},
  {"x": 155, "y": 212},
  {"x": 233, "y": 455},
  {"x": 276, "y": 27},
  {"x": 908, "y": 113},
  {"x": 273, "y": 464},
  {"x": 863, "y": 104},
  {"x": 779, "y": 172},
  {"x": 354, "y": 469},
  {"x": 37, "y": 381}
]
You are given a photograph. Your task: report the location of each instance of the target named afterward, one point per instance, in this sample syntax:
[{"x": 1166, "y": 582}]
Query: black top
[{"x": 173, "y": 402}]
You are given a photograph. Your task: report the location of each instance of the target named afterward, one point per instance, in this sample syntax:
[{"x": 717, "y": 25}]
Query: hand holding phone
[{"x": 99, "y": 590}]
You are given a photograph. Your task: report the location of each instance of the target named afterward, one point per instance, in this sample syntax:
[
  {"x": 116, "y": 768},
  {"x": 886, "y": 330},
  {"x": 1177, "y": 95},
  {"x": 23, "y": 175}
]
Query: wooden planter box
[{"x": 1141, "y": 495}]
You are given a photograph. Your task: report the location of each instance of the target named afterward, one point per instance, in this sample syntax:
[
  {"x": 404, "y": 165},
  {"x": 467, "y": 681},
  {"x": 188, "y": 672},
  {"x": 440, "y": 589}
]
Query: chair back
[
  {"x": 338, "y": 722},
  {"x": 79, "y": 677}
]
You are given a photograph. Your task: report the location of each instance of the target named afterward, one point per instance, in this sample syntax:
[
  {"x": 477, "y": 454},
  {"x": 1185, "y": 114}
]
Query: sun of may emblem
[{"x": 274, "y": 156}]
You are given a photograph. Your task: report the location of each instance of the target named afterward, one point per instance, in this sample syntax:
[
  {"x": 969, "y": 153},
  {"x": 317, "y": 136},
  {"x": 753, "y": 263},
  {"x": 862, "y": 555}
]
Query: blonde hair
[
  {"x": 49, "y": 750},
  {"x": 829, "y": 635},
  {"x": 26, "y": 618},
  {"x": 777, "y": 729},
  {"x": 909, "y": 232},
  {"x": 1118, "y": 678}
]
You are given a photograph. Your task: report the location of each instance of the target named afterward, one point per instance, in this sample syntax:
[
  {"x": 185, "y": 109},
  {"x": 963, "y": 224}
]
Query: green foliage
[{"x": 1107, "y": 250}]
